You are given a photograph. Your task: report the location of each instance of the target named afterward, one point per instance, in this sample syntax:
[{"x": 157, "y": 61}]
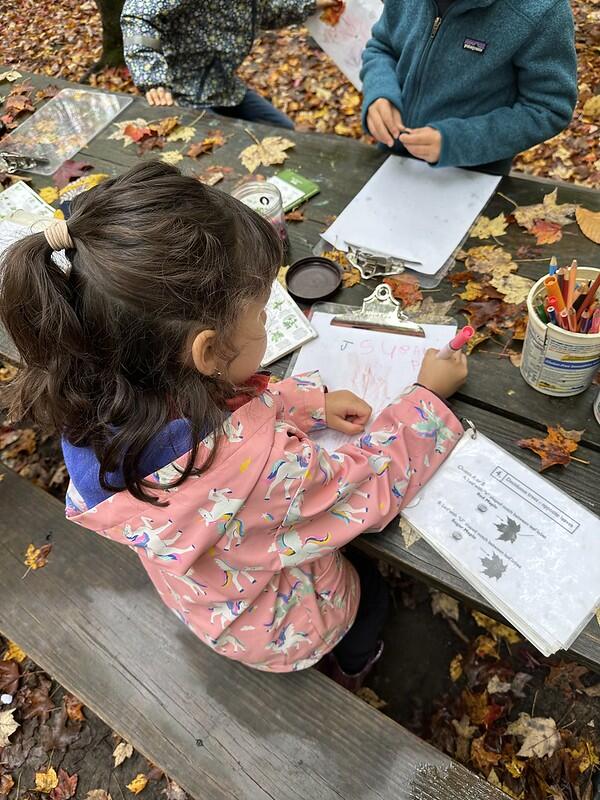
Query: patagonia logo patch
[{"x": 476, "y": 45}]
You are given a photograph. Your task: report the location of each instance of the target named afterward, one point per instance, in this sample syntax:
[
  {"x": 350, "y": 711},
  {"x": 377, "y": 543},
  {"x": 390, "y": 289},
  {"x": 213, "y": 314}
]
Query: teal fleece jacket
[{"x": 493, "y": 76}]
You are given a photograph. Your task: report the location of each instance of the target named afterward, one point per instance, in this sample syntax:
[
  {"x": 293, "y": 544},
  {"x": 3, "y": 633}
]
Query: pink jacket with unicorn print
[{"x": 248, "y": 554}]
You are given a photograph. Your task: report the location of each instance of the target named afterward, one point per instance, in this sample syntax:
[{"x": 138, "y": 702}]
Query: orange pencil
[
  {"x": 553, "y": 289},
  {"x": 571, "y": 286}
]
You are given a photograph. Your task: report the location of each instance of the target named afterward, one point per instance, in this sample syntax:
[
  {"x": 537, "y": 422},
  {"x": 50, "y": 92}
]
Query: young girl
[{"x": 144, "y": 356}]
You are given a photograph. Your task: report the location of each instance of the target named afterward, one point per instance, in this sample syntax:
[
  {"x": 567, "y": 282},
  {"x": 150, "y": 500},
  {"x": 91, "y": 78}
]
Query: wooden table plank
[
  {"x": 580, "y": 481},
  {"x": 221, "y": 730}
]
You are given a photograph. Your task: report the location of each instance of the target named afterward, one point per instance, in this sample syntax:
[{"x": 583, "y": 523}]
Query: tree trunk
[{"x": 112, "y": 40}]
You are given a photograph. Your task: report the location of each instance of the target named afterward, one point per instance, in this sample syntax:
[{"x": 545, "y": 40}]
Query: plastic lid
[{"x": 313, "y": 278}]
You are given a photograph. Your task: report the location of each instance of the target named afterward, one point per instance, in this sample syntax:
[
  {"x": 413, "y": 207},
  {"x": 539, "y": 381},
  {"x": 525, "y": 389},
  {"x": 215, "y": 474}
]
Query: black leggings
[{"x": 361, "y": 641}]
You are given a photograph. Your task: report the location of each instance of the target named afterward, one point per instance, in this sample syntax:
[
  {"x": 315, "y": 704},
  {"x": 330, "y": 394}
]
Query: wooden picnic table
[{"x": 495, "y": 397}]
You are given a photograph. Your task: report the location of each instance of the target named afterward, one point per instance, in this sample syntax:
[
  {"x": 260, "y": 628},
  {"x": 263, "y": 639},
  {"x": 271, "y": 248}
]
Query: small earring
[{"x": 217, "y": 374}]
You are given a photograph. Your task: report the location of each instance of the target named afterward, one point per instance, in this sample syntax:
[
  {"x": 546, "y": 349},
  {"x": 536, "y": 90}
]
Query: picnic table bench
[{"x": 222, "y": 730}]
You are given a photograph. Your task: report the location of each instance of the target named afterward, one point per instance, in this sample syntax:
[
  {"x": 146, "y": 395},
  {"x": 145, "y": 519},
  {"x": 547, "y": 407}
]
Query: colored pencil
[
  {"x": 541, "y": 313},
  {"x": 571, "y": 284},
  {"x": 584, "y": 322},
  {"x": 551, "y": 311},
  {"x": 590, "y": 296},
  {"x": 572, "y": 319},
  {"x": 560, "y": 274},
  {"x": 563, "y": 318},
  {"x": 595, "y": 326},
  {"x": 552, "y": 288},
  {"x": 553, "y": 266}
]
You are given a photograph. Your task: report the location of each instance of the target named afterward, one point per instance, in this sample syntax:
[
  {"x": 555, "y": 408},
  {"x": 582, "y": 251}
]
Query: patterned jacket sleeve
[
  {"x": 279, "y": 13},
  {"x": 303, "y": 398},
  {"x": 323, "y": 501},
  {"x": 140, "y": 23}
]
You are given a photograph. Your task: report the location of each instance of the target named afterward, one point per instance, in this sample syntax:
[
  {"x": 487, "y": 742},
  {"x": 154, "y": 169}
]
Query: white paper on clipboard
[
  {"x": 414, "y": 212},
  {"x": 345, "y": 41}
]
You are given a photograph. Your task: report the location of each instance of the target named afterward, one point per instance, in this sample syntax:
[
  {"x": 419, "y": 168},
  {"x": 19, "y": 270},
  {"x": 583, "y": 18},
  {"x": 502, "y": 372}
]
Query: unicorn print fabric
[{"x": 247, "y": 555}]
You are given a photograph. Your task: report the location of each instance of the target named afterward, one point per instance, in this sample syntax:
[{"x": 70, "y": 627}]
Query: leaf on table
[
  {"x": 546, "y": 232},
  {"x": 548, "y": 210},
  {"x": 182, "y": 133},
  {"x": 46, "y": 781},
  {"x": 331, "y": 16},
  {"x": 488, "y": 259},
  {"x": 294, "y": 216},
  {"x": 472, "y": 291},
  {"x": 555, "y": 448},
  {"x": 497, "y": 629},
  {"x": 13, "y": 652},
  {"x": 566, "y": 676},
  {"x": 134, "y": 126},
  {"x": 6, "y": 784},
  {"x": 589, "y": 223},
  {"x": 136, "y": 132},
  {"x": 445, "y": 605},
  {"x": 515, "y": 288},
  {"x": 271, "y": 150},
  {"x": 482, "y": 757},
  {"x": 97, "y": 794},
  {"x": 171, "y": 157},
  {"x": 431, "y": 313},
  {"x": 37, "y": 557},
  {"x": 478, "y": 338},
  {"x": 456, "y": 667},
  {"x": 73, "y": 707},
  {"x": 70, "y": 170},
  {"x": 18, "y": 104},
  {"x": 47, "y": 92},
  {"x": 350, "y": 277},
  {"x": 163, "y": 127},
  {"x": 208, "y": 145},
  {"x": 463, "y": 276},
  {"x": 66, "y": 787},
  {"x": 410, "y": 534},
  {"x": 368, "y": 696},
  {"x": 7, "y": 726},
  {"x": 121, "y": 752},
  {"x": 9, "y": 677},
  {"x": 485, "y": 228},
  {"x": 493, "y": 566},
  {"x": 539, "y": 735},
  {"x": 172, "y": 791},
  {"x": 406, "y": 289},
  {"x": 339, "y": 257},
  {"x": 138, "y": 784}
]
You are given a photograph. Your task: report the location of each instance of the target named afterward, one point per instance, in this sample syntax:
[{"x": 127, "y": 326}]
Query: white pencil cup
[{"x": 555, "y": 361}]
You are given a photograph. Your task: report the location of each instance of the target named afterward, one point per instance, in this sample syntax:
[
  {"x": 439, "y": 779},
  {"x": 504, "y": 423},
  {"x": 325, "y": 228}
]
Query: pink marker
[{"x": 461, "y": 338}]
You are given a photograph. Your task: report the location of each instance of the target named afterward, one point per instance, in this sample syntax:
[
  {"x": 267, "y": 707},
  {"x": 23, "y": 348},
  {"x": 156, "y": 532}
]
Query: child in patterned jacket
[
  {"x": 187, "y": 51},
  {"x": 144, "y": 353}
]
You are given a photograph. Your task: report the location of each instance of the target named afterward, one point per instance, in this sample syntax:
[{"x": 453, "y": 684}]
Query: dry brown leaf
[
  {"x": 208, "y": 145},
  {"x": 97, "y": 794},
  {"x": 482, "y": 757},
  {"x": 37, "y": 557},
  {"x": 539, "y": 734},
  {"x": 472, "y": 291},
  {"x": 566, "y": 676},
  {"x": 497, "y": 629},
  {"x": 350, "y": 277},
  {"x": 431, "y": 313},
  {"x": 163, "y": 127},
  {"x": 476, "y": 705},
  {"x": 488, "y": 259},
  {"x": 46, "y": 781},
  {"x": 7, "y": 373},
  {"x": 271, "y": 150},
  {"x": 485, "y": 228},
  {"x": 445, "y": 605},
  {"x": 456, "y": 667},
  {"x": 515, "y": 288},
  {"x": 121, "y": 752},
  {"x": 8, "y": 726},
  {"x": 406, "y": 289},
  {"x": 6, "y": 784},
  {"x": 74, "y": 708},
  {"x": 546, "y": 232},
  {"x": 478, "y": 338},
  {"x": 589, "y": 223},
  {"x": 67, "y": 786},
  {"x": 370, "y": 697},
  {"x": 410, "y": 534},
  {"x": 331, "y": 16},
  {"x": 548, "y": 210},
  {"x": 171, "y": 157},
  {"x": 591, "y": 107},
  {"x": 556, "y": 448},
  {"x": 294, "y": 216},
  {"x": 486, "y": 647}
]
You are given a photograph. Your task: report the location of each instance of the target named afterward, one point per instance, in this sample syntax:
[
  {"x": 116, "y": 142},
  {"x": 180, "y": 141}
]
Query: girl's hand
[
  {"x": 345, "y": 412},
  {"x": 384, "y": 121},
  {"x": 159, "y": 96},
  {"x": 424, "y": 143},
  {"x": 443, "y": 376}
]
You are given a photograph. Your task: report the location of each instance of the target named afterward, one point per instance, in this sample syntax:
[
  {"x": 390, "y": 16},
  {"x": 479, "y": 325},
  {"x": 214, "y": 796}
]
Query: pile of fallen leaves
[
  {"x": 45, "y": 732},
  {"x": 64, "y": 39}
]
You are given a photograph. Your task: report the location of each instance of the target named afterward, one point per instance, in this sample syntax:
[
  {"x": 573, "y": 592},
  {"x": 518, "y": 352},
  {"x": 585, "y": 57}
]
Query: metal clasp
[
  {"x": 373, "y": 265},
  {"x": 13, "y": 162}
]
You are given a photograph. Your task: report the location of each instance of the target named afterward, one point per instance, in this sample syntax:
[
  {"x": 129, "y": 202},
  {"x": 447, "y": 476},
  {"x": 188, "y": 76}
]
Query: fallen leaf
[
  {"x": 486, "y": 647},
  {"x": 183, "y": 133},
  {"x": 48, "y": 193},
  {"x": 539, "y": 734},
  {"x": 456, "y": 667},
  {"x": 410, "y": 534},
  {"x": 430, "y": 312},
  {"x": 546, "y": 232},
  {"x": 445, "y": 605},
  {"x": 136, "y": 132},
  {"x": 488, "y": 259},
  {"x": 476, "y": 705},
  {"x": 566, "y": 676},
  {"x": 472, "y": 291},
  {"x": 515, "y": 767},
  {"x": 7, "y": 726},
  {"x": 496, "y": 686},
  {"x": 556, "y": 448},
  {"x": 294, "y": 216},
  {"x": 367, "y": 695},
  {"x": 591, "y": 107},
  {"x": 163, "y": 127},
  {"x": 485, "y": 228},
  {"x": 208, "y": 145},
  {"x": 101, "y": 794},
  {"x": 405, "y": 289},
  {"x": 138, "y": 784},
  {"x": 482, "y": 757},
  {"x": 331, "y": 16},
  {"x": 172, "y": 792},
  {"x": 121, "y": 752},
  {"x": 46, "y": 781},
  {"x": 14, "y": 653},
  {"x": 497, "y": 629},
  {"x": 74, "y": 708},
  {"x": 37, "y": 557},
  {"x": 478, "y": 338},
  {"x": 271, "y": 150},
  {"x": 172, "y": 157},
  {"x": 463, "y": 276},
  {"x": 10, "y": 76},
  {"x": 548, "y": 210},
  {"x": 589, "y": 223},
  {"x": 9, "y": 677},
  {"x": 67, "y": 786},
  {"x": 515, "y": 288},
  {"x": 35, "y": 701},
  {"x": 47, "y": 92},
  {"x": 350, "y": 277},
  {"x": 70, "y": 170},
  {"x": 6, "y": 784},
  {"x": 464, "y": 728},
  {"x": 585, "y": 755}
]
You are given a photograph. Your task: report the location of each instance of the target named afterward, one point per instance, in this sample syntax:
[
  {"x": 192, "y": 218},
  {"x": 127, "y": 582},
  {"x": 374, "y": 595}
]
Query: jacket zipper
[{"x": 434, "y": 30}]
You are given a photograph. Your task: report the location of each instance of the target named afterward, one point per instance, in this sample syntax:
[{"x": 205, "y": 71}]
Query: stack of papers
[
  {"x": 411, "y": 211},
  {"x": 526, "y": 546}
]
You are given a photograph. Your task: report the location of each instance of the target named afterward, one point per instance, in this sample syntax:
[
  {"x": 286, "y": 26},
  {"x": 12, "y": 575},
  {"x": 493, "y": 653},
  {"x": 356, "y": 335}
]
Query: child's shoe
[{"x": 329, "y": 666}]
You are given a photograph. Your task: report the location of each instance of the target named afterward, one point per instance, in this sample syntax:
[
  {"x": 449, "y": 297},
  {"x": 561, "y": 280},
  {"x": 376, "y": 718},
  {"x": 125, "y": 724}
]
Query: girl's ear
[{"x": 203, "y": 352}]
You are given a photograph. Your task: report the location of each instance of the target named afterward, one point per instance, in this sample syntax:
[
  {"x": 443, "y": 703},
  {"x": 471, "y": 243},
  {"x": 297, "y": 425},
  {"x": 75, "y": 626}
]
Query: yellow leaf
[
  {"x": 270, "y": 151},
  {"x": 472, "y": 291},
  {"x": 488, "y": 258},
  {"x": 48, "y": 193},
  {"x": 183, "y": 133},
  {"x": 10, "y": 76},
  {"x": 171, "y": 157},
  {"x": 456, "y": 667},
  {"x": 37, "y": 557},
  {"x": 138, "y": 784},
  {"x": 515, "y": 767},
  {"x": 7, "y": 726},
  {"x": 281, "y": 276},
  {"x": 589, "y": 223},
  {"x": 350, "y": 278},
  {"x": 485, "y": 228},
  {"x": 486, "y": 646},
  {"x": 515, "y": 288},
  {"x": 245, "y": 464},
  {"x": 548, "y": 210},
  {"x": 14, "y": 653},
  {"x": 585, "y": 755},
  {"x": 476, "y": 340},
  {"x": 497, "y": 630},
  {"x": 46, "y": 781},
  {"x": 591, "y": 107}
]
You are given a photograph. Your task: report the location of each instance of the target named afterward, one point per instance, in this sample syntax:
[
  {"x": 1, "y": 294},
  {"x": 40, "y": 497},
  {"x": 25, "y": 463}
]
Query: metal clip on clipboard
[
  {"x": 13, "y": 162},
  {"x": 374, "y": 265},
  {"x": 380, "y": 312}
]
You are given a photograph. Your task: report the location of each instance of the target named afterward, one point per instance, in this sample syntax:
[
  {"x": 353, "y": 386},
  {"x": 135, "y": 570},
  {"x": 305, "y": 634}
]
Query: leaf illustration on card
[
  {"x": 493, "y": 566},
  {"x": 508, "y": 530}
]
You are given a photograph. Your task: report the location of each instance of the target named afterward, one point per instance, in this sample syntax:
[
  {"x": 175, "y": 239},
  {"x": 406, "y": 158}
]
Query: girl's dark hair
[{"x": 157, "y": 257}]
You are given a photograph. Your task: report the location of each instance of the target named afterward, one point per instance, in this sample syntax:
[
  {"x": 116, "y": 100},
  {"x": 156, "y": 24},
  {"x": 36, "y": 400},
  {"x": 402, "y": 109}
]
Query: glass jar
[{"x": 265, "y": 199}]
